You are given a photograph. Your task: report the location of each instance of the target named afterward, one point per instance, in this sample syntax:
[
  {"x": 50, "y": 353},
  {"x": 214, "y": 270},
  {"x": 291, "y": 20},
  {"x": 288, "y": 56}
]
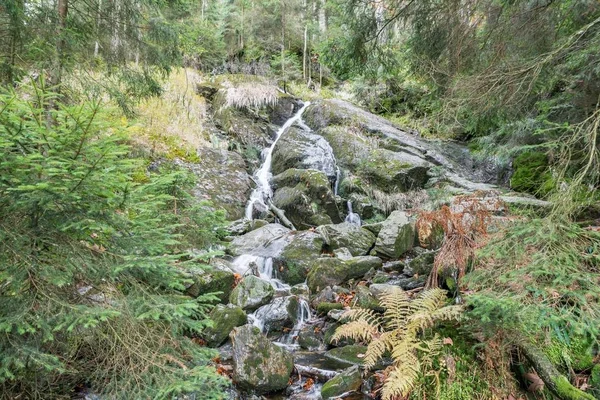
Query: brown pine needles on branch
[{"x": 464, "y": 223}]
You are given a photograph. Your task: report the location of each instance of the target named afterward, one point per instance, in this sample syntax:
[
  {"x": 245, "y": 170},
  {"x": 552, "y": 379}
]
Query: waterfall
[
  {"x": 302, "y": 316},
  {"x": 352, "y": 217},
  {"x": 263, "y": 191},
  {"x": 336, "y": 185}
]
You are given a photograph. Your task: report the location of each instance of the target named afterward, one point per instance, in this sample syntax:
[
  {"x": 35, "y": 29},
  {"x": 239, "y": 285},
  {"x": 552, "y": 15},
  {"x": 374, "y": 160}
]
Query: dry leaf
[{"x": 447, "y": 341}]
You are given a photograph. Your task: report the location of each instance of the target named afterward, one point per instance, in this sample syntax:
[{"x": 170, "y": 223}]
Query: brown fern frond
[
  {"x": 401, "y": 380},
  {"x": 377, "y": 348},
  {"x": 359, "y": 331},
  {"x": 429, "y": 300},
  {"x": 397, "y": 306},
  {"x": 362, "y": 314}
]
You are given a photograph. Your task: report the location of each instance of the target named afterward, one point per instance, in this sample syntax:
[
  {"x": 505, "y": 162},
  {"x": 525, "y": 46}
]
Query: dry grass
[
  {"x": 248, "y": 95},
  {"x": 173, "y": 125}
]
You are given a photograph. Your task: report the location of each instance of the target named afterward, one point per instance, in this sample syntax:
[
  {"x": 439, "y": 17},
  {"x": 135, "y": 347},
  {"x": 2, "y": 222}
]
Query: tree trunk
[
  {"x": 62, "y": 12},
  {"x": 304, "y": 59},
  {"x": 279, "y": 213},
  {"x": 557, "y": 383}
]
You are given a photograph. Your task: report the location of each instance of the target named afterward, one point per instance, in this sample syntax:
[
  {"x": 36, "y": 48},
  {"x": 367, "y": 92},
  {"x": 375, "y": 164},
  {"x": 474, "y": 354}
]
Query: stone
[
  {"x": 309, "y": 339},
  {"x": 325, "y": 272},
  {"x": 278, "y": 314},
  {"x": 224, "y": 318},
  {"x": 256, "y": 239},
  {"x": 359, "y": 266},
  {"x": 300, "y": 289},
  {"x": 423, "y": 263},
  {"x": 396, "y": 236},
  {"x": 348, "y": 355},
  {"x": 211, "y": 279},
  {"x": 306, "y": 198},
  {"x": 393, "y": 266},
  {"x": 259, "y": 365},
  {"x": 348, "y": 380},
  {"x": 297, "y": 257},
  {"x": 251, "y": 293},
  {"x": 363, "y": 298},
  {"x": 374, "y": 228},
  {"x": 342, "y": 253},
  {"x": 357, "y": 240},
  {"x": 326, "y": 307},
  {"x": 378, "y": 289}
]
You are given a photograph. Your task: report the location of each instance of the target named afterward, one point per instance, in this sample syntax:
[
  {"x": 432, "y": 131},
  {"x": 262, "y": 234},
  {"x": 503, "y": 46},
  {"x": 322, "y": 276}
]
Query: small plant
[{"x": 402, "y": 332}]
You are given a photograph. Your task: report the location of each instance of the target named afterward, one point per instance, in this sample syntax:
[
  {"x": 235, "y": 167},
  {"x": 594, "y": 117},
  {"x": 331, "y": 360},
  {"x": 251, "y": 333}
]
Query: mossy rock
[
  {"x": 259, "y": 366},
  {"x": 324, "y": 307},
  {"x": 364, "y": 299},
  {"x": 423, "y": 263},
  {"x": 357, "y": 240},
  {"x": 212, "y": 280},
  {"x": 359, "y": 266},
  {"x": 306, "y": 198},
  {"x": 224, "y": 319},
  {"x": 531, "y": 174},
  {"x": 349, "y": 355},
  {"x": 326, "y": 271},
  {"x": 349, "y": 380},
  {"x": 251, "y": 293},
  {"x": 298, "y": 256},
  {"x": 396, "y": 236}
]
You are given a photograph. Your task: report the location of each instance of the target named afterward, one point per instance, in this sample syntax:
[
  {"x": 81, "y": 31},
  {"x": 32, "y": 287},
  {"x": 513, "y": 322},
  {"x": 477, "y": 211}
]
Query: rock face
[
  {"x": 259, "y": 365},
  {"x": 396, "y": 236},
  {"x": 348, "y": 380},
  {"x": 306, "y": 197},
  {"x": 302, "y": 149},
  {"x": 252, "y": 242},
  {"x": 326, "y": 272},
  {"x": 357, "y": 240},
  {"x": 251, "y": 293},
  {"x": 231, "y": 197},
  {"x": 297, "y": 257},
  {"x": 225, "y": 318}
]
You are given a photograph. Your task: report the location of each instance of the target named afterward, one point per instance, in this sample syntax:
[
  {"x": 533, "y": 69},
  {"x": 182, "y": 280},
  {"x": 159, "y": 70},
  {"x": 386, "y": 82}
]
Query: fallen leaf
[{"x": 447, "y": 341}]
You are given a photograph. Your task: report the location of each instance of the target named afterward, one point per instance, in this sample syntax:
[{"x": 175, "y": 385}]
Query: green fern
[{"x": 401, "y": 332}]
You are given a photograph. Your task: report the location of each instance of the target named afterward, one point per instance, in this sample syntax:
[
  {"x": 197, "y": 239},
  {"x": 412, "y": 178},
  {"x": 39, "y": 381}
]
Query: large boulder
[
  {"x": 216, "y": 278},
  {"x": 359, "y": 266},
  {"x": 251, "y": 293},
  {"x": 348, "y": 380},
  {"x": 224, "y": 318},
  {"x": 326, "y": 271},
  {"x": 348, "y": 355},
  {"x": 259, "y": 365},
  {"x": 306, "y": 197},
  {"x": 357, "y": 240},
  {"x": 258, "y": 240},
  {"x": 296, "y": 258},
  {"x": 302, "y": 149},
  {"x": 396, "y": 236}
]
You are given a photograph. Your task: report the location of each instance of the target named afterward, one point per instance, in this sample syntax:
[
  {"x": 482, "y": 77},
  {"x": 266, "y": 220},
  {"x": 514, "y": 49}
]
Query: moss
[
  {"x": 578, "y": 354},
  {"x": 531, "y": 174},
  {"x": 325, "y": 307},
  {"x": 349, "y": 355}
]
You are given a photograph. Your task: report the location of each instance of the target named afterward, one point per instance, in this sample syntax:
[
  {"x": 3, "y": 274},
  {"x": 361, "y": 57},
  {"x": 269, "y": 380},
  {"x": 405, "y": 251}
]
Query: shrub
[{"x": 92, "y": 266}]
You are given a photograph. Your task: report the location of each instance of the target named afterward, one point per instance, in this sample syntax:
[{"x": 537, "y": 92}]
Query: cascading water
[
  {"x": 302, "y": 316},
  {"x": 336, "y": 185},
  {"x": 263, "y": 191},
  {"x": 352, "y": 217}
]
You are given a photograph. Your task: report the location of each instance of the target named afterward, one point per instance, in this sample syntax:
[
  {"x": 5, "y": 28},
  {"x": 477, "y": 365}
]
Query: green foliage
[
  {"x": 92, "y": 263},
  {"x": 540, "y": 278}
]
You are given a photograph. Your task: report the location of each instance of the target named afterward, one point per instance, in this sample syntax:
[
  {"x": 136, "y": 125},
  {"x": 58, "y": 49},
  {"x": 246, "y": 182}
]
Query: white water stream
[{"x": 263, "y": 191}]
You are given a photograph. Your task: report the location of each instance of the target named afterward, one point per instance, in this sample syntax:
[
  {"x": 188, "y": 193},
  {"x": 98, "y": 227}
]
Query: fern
[{"x": 400, "y": 331}]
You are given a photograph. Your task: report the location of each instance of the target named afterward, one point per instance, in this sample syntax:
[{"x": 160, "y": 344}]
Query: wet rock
[
  {"x": 252, "y": 242},
  {"x": 348, "y": 380},
  {"x": 306, "y": 198},
  {"x": 259, "y": 365},
  {"x": 409, "y": 283},
  {"x": 348, "y": 355},
  {"x": 326, "y": 295},
  {"x": 393, "y": 266},
  {"x": 302, "y": 149},
  {"x": 356, "y": 239},
  {"x": 380, "y": 277},
  {"x": 374, "y": 228},
  {"x": 242, "y": 226},
  {"x": 297, "y": 257},
  {"x": 309, "y": 339},
  {"x": 211, "y": 279},
  {"x": 300, "y": 289},
  {"x": 335, "y": 315},
  {"x": 359, "y": 266},
  {"x": 278, "y": 314},
  {"x": 396, "y": 236},
  {"x": 363, "y": 298},
  {"x": 224, "y": 318},
  {"x": 323, "y": 308},
  {"x": 251, "y": 293}
]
